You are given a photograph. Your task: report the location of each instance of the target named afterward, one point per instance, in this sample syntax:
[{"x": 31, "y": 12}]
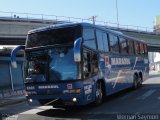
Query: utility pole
[
  {"x": 117, "y": 14},
  {"x": 93, "y": 18}
]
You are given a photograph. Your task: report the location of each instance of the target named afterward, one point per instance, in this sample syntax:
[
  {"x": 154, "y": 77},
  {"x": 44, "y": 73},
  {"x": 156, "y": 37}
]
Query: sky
[{"x": 130, "y": 12}]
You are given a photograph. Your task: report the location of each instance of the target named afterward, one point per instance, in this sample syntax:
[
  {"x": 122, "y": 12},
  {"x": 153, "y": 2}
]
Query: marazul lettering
[{"x": 120, "y": 61}]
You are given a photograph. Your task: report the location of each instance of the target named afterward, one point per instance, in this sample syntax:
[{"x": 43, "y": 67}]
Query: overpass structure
[{"x": 13, "y": 31}]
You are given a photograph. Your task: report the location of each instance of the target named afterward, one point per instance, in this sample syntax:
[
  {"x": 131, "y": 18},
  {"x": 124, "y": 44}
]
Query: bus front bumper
[{"x": 57, "y": 100}]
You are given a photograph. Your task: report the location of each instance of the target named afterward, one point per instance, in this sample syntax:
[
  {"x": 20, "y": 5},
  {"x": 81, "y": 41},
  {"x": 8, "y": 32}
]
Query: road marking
[
  {"x": 127, "y": 95},
  {"x": 12, "y": 117},
  {"x": 147, "y": 94},
  {"x": 38, "y": 109},
  {"x": 158, "y": 98}
]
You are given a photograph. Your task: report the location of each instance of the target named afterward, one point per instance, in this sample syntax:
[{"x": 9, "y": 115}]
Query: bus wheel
[
  {"x": 99, "y": 94},
  {"x": 135, "y": 82}
]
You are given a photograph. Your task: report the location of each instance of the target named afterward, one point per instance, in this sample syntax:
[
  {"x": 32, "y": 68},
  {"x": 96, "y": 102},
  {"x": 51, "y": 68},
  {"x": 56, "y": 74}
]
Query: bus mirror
[
  {"x": 77, "y": 50},
  {"x": 13, "y": 55}
]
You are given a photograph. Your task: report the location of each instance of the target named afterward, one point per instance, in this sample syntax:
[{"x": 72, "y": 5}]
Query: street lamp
[{"x": 117, "y": 14}]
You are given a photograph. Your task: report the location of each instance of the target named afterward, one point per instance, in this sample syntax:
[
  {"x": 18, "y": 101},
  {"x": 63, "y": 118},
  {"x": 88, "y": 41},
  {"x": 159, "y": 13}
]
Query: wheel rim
[
  {"x": 140, "y": 82},
  {"x": 99, "y": 96},
  {"x": 135, "y": 82}
]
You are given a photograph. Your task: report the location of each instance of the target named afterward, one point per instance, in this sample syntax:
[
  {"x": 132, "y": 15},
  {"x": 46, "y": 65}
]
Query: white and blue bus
[{"x": 80, "y": 63}]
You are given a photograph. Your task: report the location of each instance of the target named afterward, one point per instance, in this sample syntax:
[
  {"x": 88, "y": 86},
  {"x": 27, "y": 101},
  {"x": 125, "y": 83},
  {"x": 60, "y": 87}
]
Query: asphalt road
[{"x": 140, "y": 104}]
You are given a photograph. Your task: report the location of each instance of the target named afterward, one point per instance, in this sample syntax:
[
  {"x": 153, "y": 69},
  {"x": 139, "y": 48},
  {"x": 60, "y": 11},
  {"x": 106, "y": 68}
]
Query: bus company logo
[
  {"x": 106, "y": 60},
  {"x": 120, "y": 61},
  {"x": 69, "y": 86},
  {"x": 87, "y": 89}
]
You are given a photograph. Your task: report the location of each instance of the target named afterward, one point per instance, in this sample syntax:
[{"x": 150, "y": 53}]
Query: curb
[
  {"x": 9, "y": 93},
  {"x": 154, "y": 72}
]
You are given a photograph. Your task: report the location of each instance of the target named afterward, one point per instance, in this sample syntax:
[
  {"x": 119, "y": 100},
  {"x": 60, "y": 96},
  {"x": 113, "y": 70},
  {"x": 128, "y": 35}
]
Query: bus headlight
[
  {"x": 74, "y": 99},
  {"x": 30, "y": 100}
]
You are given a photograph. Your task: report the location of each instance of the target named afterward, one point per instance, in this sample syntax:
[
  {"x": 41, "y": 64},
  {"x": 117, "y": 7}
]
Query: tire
[
  {"x": 99, "y": 94},
  {"x": 135, "y": 82},
  {"x": 139, "y": 82}
]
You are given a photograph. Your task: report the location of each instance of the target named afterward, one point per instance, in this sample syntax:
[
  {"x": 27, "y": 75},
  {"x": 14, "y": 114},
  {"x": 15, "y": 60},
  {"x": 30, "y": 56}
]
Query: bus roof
[
  {"x": 71, "y": 25},
  {"x": 83, "y": 25}
]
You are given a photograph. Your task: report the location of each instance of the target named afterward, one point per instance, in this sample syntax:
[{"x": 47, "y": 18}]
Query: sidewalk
[
  {"x": 154, "y": 72},
  {"x": 9, "y": 98},
  {"x": 12, "y": 100}
]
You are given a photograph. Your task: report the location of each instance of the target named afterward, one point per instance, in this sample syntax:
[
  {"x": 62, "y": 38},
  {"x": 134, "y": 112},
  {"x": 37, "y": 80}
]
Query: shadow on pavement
[
  {"x": 76, "y": 114},
  {"x": 82, "y": 112},
  {"x": 85, "y": 112}
]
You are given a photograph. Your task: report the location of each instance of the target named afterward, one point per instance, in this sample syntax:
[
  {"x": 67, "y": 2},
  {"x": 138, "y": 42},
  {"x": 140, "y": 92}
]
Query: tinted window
[
  {"x": 130, "y": 47},
  {"x": 99, "y": 40},
  {"x": 123, "y": 45},
  {"x": 114, "y": 45},
  {"x": 62, "y": 65},
  {"x": 105, "y": 42},
  {"x": 145, "y": 49},
  {"x": 51, "y": 64},
  {"x": 65, "y": 35},
  {"x": 89, "y": 39},
  {"x": 90, "y": 64},
  {"x": 137, "y": 47},
  {"x": 141, "y": 48}
]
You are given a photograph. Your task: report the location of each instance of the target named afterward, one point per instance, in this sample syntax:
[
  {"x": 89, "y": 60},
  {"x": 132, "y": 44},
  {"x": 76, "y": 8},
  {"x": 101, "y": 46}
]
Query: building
[
  {"x": 154, "y": 59},
  {"x": 157, "y": 24}
]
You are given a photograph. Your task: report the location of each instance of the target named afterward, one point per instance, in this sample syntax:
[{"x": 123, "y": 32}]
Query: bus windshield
[
  {"x": 61, "y": 36},
  {"x": 52, "y": 64}
]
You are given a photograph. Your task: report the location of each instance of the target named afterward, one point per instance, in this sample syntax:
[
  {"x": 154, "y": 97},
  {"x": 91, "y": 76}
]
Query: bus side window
[
  {"x": 130, "y": 47},
  {"x": 99, "y": 40},
  {"x": 105, "y": 42},
  {"x": 141, "y": 48},
  {"x": 102, "y": 41},
  {"x": 123, "y": 45},
  {"x": 90, "y": 64},
  {"x": 137, "y": 47},
  {"x": 145, "y": 49},
  {"x": 86, "y": 64},
  {"x": 89, "y": 38},
  {"x": 114, "y": 44},
  {"x": 94, "y": 63}
]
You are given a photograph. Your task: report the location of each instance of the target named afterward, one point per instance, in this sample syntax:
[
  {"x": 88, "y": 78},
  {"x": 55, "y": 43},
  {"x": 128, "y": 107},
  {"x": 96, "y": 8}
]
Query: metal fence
[{"x": 63, "y": 19}]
